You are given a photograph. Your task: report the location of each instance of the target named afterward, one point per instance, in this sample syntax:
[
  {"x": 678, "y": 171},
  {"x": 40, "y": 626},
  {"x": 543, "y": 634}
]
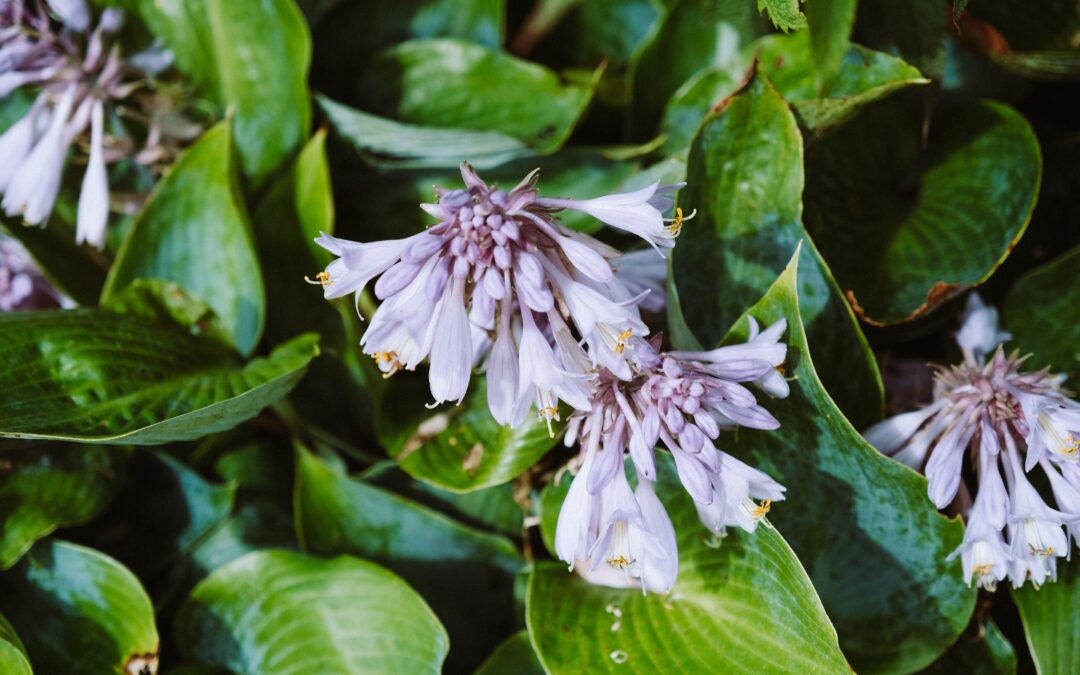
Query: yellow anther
[
  {"x": 982, "y": 570},
  {"x": 1072, "y": 445},
  {"x": 762, "y": 509},
  {"x": 620, "y": 342},
  {"x": 551, "y": 412},
  {"x": 620, "y": 561},
  {"x": 1041, "y": 552},
  {"x": 321, "y": 279},
  {"x": 677, "y": 222},
  {"x": 390, "y": 359}
]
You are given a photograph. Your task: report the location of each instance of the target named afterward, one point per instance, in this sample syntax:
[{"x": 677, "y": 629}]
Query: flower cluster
[
  {"x": 682, "y": 399},
  {"x": 499, "y": 280},
  {"x": 56, "y": 48},
  {"x": 553, "y": 316},
  {"x": 1006, "y": 422}
]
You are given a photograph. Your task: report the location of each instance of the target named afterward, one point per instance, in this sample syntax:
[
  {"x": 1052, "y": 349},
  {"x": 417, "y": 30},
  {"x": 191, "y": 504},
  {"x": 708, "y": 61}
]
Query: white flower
[{"x": 93, "y": 213}]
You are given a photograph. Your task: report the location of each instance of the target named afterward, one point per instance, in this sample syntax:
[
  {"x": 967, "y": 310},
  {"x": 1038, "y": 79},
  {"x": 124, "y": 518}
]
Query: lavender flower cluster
[
  {"x": 74, "y": 64},
  {"x": 1004, "y": 421},
  {"x": 553, "y": 317}
]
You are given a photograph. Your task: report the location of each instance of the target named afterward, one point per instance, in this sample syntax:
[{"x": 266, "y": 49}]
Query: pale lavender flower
[
  {"x": 76, "y": 69},
  {"x": 644, "y": 275},
  {"x": 22, "y": 287},
  {"x": 682, "y": 399},
  {"x": 497, "y": 261},
  {"x": 640, "y": 212},
  {"x": 1004, "y": 422}
]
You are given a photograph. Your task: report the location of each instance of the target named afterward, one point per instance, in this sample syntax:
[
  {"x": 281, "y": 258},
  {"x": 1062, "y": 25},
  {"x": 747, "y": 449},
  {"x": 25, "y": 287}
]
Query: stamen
[
  {"x": 1041, "y": 552},
  {"x": 1072, "y": 445},
  {"x": 391, "y": 361},
  {"x": 982, "y": 570},
  {"x": 620, "y": 342},
  {"x": 761, "y": 510},
  {"x": 321, "y": 279},
  {"x": 620, "y": 561},
  {"x": 550, "y": 413},
  {"x": 677, "y": 222}
]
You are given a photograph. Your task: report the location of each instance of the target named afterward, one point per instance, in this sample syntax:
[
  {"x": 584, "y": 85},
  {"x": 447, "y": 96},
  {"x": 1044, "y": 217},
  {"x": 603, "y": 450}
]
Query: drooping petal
[
  {"x": 451, "y": 355},
  {"x": 93, "y": 214}
]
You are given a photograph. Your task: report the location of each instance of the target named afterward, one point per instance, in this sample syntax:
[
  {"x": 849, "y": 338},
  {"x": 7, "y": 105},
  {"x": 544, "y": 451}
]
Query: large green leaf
[
  {"x": 745, "y": 178},
  {"x": 830, "y": 25},
  {"x": 915, "y": 30},
  {"x": 79, "y": 611},
  {"x": 742, "y": 604},
  {"x": 286, "y": 613},
  {"x": 455, "y": 84},
  {"x": 99, "y": 376},
  {"x": 460, "y": 448},
  {"x": 1051, "y": 622},
  {"x": 12, "y": 653},
  {"x": 861, "y": 76},
  {"x": 691, "y": 36},
  {"x": 194, "y": 231},
  {"x": 46, "y": 486},
  {"x": 1042, "y": 311},
  {"x": 906, "y": 229},
  {"x": 248, "y": 55},
  {"x": 861, "y": 524},
  {"x": 382, "y": 141},
  {"x": 444, "y": 560}
]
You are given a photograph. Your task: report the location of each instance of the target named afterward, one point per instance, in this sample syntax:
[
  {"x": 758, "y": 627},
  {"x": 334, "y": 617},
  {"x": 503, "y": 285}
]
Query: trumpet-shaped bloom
[
  {"x": 497, "y": 277},
  {"x": 1005, "y": 422}
]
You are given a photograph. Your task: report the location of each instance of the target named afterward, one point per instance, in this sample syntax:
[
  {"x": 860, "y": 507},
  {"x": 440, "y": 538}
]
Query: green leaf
[
  {"x": 248, "y": 55},
  {"x": 1038, "y": 44},
  {"x": 79, "y": 611},
  {"x": 12, "y": 653},
  {"x": 1051, "y": 623},
  {"x": 47, "y": 486},
  {"x": 515, "y": 655},
  {"x": 784, "y": 14},
  {"x": 591, "y": 32},
  {"x": 166, "y": 511},
  {"x": 906, "y": 229},
  {"x": 443, "y": 559},
  {"x": 385, "y": 142},
  {"x": 1042, "y": 311},
  {"x": 862, "y": 76},
  {"x": 296, "y": 209},
  {"x": 194, "y": 231},
  {"x": 462, "y": 448},
  {"x": 745, "y": 178},
  {"x": 742, "y": 603},
  {"x": 455, "y": 84},
  {"x": 693, "y": 35},
  {"x": 830, "y": 23},
  {"x": 915, "y": 30},
  {"x": 283, "y": 612},
  {"x": 691, "y": 104},
  {"x": 986, "y": 653},
  {"x": 96, "y": 376},
  {"x": 862, "y": 525}
]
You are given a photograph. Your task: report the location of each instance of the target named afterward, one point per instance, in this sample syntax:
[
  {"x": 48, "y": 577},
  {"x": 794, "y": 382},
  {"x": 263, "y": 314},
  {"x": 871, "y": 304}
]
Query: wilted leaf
[
  {"x": 905, "y": 229},
  {"x": 46, "y": 486},
  {"x": 194, "y": 231},
  {"x": 283, "y": 612},
  {"x": 78, "y": 611}
]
